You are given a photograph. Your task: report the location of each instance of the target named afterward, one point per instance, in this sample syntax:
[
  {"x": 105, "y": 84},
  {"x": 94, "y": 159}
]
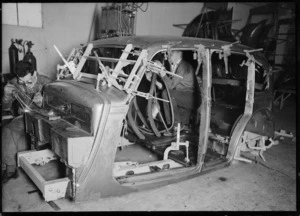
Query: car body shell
[{"x": 108, "y": 108}]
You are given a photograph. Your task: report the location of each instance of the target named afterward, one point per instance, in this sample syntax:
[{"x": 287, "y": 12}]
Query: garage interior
[{"x": 259, "y": 184}]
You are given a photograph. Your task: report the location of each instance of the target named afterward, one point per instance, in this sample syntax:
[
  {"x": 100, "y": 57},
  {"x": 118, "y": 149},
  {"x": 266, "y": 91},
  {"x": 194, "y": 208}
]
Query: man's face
[
  {"x": 174, "y": 57},
  {"x": 29, "y": 80}
]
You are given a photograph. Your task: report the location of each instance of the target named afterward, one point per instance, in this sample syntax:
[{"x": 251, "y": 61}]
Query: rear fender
[{"x": 262, "y": 123}]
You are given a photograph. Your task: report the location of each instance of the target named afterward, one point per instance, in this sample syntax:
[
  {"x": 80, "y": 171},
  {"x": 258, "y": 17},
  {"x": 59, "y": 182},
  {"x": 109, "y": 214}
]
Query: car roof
[{"x": 156, "y": 42}]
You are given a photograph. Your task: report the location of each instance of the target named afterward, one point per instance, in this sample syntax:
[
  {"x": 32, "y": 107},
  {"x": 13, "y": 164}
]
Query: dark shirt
[{"x": 185, "y": 84}]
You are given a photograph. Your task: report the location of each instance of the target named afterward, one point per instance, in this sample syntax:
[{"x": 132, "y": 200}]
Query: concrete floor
[{"x": 269, "y": 186}]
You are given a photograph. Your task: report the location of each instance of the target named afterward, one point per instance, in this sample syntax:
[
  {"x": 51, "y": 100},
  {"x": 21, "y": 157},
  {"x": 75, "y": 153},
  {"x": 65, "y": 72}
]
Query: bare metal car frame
[{"x": 83, "y": 118}]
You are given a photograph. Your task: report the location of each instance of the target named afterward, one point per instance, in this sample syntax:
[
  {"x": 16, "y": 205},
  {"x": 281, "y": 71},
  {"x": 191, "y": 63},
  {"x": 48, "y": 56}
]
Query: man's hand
[
  {"x": 148, "y": 75},
  {"x": 162, "y": 73},
  {"x": 9, "y": 91},
  {"x": 159, "y": 85},
  {"x": 38, "y": 99}
]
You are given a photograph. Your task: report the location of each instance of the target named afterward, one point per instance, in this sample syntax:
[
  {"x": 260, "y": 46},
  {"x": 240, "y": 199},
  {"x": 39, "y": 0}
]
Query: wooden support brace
[
  {"x": 87, "y": 52},
  {"x": 124, "y": 56},
  {"x": 131, "y": 83}
]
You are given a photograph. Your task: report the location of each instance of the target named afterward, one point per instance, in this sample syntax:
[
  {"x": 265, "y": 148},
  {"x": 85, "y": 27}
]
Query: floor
[{"x": 261, "y": 186}]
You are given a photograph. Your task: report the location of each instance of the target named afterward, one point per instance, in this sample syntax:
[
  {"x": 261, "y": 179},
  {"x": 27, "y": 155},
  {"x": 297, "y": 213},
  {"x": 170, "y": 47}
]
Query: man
[
  {"x": 26, "y": 88},
  {"x": 181, "y": 90}
]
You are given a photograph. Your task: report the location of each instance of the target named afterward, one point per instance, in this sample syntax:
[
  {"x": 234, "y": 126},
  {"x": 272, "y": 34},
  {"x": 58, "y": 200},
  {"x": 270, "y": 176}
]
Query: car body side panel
[
  {"x": 98, "y": 180},
  {"x": 205, "y": 108},
  {"x": 263, "y": 99},
  {"x": 241, "y": 124},
  {"x": 261, "y": 123}
]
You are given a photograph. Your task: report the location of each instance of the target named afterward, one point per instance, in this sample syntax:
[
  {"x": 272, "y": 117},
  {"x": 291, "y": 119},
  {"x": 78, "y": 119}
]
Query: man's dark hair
[{"x": 23, "y": 68}]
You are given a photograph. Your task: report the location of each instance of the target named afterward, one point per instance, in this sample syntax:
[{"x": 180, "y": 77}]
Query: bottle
[
  {"x": 13, "y": 56},
  {"x": 29, "y": 57}
]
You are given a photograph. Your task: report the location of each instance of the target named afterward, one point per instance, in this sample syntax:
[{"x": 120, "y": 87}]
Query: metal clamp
[{"x": 176, "y": 145}]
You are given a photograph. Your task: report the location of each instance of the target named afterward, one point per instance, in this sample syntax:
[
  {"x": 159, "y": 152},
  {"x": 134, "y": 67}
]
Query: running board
[
  {"x": 51, "y": 190},
  {"x": 132, "y": 168}
]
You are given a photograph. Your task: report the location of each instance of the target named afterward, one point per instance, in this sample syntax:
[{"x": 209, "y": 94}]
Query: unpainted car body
[{"x": 97, "y": 122}]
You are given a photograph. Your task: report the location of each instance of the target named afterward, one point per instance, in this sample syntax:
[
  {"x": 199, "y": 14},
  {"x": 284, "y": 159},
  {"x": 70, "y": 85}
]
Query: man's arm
[
  {"x": 181, "y": 70},
  {"x": 8, "y": 96},
  {"x": 38, "y": 98}
]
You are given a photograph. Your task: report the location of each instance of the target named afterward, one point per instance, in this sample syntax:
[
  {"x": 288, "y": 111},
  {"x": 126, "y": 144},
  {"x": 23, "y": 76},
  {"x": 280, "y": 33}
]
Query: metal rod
[
  {"x": 74, "y": 184},
  {"x": 60, "y": 55}
]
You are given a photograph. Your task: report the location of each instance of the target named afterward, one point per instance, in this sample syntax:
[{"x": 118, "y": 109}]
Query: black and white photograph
[{"x": 149, "y": 107}]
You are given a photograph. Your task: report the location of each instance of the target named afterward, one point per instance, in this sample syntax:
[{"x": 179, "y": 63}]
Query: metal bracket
[
  {"x": 200, "y": 56},
  {"x": 137, "y": 72},
  {"x": 168, "y": 48},
  {"x": 70, "y": 65},
  {"x": 250, "y": 57},
  {"x": 104, "y": 76},
  {"x": 120, "y": 63},
  {"x": 238, "y": 152},
  {"x": 267, "y": 75},
  {"x": 255, "y": 143},
  {"x": 77, "y": 73},
  {"x": 226, "y": 53},
  {"x": 62, "y": 68},
  {"x": 74, "y": 68},
  {"x": 153, "y": 67},
  {"x": 145, "y": 95},
  {"x": 176, "y": 145}
]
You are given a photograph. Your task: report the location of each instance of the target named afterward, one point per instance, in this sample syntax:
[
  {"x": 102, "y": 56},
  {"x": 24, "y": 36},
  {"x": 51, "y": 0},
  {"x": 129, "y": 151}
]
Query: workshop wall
[
  {"x": 160, "y": 17},
  {"x": 66, "y": 25}
]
